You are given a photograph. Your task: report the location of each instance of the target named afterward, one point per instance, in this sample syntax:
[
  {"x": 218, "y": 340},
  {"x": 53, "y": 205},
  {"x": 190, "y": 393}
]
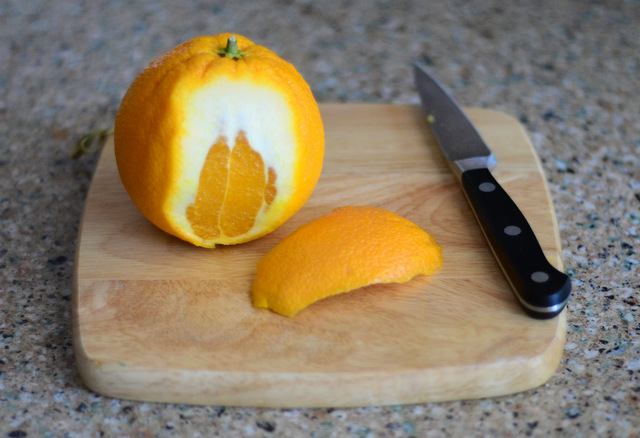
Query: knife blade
[{"x": 541, "y": 289}]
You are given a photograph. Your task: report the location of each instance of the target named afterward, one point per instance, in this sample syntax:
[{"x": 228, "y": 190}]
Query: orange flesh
[{"x": 232, "y": 189}]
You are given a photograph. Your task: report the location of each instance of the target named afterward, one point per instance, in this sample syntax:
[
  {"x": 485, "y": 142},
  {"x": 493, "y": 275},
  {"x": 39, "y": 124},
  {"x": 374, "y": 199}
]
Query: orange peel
[{"x": 348, "y": 248}]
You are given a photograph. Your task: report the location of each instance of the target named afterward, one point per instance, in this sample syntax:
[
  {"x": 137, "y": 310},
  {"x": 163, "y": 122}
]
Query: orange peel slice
[{"x": 348, "y": 248}]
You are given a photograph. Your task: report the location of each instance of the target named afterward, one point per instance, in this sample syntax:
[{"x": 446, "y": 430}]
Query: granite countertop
[{"x": 569, "y": 71}]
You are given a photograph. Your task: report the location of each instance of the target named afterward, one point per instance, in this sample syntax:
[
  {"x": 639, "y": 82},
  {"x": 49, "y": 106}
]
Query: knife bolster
[{"x": 482, "y": 162}]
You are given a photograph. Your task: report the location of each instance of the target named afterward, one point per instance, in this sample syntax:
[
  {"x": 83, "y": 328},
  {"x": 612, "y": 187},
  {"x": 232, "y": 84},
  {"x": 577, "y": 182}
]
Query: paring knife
[{"x": 541, "y": 289}]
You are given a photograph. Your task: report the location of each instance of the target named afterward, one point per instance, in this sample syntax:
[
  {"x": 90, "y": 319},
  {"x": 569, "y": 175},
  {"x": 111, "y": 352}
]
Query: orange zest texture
[
  {"x": 219, "y": 141},
  {"x": 346, "y": 249}
]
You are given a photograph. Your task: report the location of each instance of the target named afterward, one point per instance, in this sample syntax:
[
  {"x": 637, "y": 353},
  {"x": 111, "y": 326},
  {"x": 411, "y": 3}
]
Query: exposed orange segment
[
  {"x": 270, "y": 190},
  {"x": 204, "y": 213},
  {"x": 233, "y": 188},
  {"x": 245, "y": 189},
  {"x": 346, "y": 249}
]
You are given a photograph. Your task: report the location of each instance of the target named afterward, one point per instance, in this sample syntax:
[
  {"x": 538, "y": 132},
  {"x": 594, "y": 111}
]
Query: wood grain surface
[{"x": 158, "y": 319}]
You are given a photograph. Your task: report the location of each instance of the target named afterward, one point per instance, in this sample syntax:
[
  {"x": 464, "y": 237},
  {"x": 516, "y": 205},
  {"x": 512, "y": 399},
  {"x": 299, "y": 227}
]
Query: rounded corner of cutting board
[
  {"x": 524, "y": 369},
  {"x": 89, "y": 371}
]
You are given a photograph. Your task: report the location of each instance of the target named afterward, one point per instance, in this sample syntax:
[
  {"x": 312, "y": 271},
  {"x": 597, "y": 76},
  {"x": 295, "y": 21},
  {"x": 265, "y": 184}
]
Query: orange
[
  {"x": 346, "y": 249},
  {"x": 219, "y": 141}
]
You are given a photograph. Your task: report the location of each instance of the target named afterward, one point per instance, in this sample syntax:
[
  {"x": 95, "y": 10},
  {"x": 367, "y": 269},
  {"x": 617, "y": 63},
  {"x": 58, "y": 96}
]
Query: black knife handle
[{"x": 541, "y": 289}]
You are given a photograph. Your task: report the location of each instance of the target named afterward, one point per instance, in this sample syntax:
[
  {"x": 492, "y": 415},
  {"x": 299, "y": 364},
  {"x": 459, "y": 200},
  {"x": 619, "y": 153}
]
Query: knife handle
[{"x": 541, "y": 289}]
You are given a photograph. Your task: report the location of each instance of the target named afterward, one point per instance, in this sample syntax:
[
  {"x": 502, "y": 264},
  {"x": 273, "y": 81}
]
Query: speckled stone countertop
[{"x": 568, "y": 70}]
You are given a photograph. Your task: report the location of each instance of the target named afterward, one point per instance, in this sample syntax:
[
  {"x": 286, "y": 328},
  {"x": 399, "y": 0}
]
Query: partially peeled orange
[{"x": 219, "y": 141}]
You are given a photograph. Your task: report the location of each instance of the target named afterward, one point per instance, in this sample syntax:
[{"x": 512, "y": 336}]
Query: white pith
[{"x": 224, "y": 109}]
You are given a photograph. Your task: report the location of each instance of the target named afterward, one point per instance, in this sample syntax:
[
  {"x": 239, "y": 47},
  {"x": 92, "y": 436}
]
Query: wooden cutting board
[{"x": 157, "y": 319}]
